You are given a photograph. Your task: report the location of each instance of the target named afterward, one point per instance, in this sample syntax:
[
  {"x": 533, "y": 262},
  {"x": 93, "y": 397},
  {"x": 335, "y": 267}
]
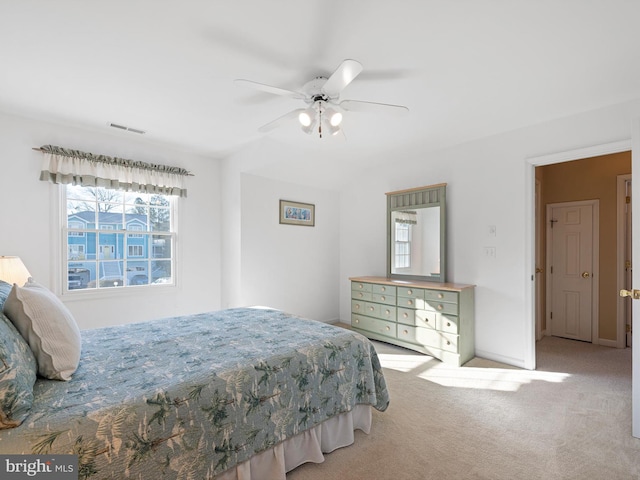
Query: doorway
[{"x": 581, "y": 180}]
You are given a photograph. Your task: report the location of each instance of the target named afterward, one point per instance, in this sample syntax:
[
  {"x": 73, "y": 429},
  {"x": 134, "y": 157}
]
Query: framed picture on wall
[{"x": 296, "y": 213}]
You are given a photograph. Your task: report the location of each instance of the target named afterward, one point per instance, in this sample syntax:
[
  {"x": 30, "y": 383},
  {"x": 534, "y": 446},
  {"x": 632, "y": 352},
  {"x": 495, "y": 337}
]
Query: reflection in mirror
[
  {"x": 416, "y": 242},
  {"x": 416, "y": 237}
]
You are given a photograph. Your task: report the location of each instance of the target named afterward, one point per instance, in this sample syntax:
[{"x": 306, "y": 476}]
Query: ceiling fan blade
[
  {"x": 280, "y": 120},
  {"x": 343, "y": 76},
  {"x": 360, "y": 106},
  {"x": 270, "y": 89}
]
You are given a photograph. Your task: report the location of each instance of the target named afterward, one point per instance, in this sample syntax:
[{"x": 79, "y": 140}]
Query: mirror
[{"x": 416, "y": 240}]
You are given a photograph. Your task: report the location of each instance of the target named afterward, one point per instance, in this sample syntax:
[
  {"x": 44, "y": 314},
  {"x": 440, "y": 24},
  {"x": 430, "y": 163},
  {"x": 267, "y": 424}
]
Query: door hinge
[
  {"x": 551, "y": 315},
  {"x": 628, "y": 328},
  {"x": 627, "y": 199},
  {"x": 552, "y": 221},
  {"x": 551, "y": 270}
]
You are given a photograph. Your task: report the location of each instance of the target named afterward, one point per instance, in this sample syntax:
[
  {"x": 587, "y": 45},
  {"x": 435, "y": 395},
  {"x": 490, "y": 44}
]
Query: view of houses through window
[{"x": 117, "y": 239}]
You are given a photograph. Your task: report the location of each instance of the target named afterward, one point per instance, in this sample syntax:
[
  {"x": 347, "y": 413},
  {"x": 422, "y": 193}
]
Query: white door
[{"x": 571, "y": 233}]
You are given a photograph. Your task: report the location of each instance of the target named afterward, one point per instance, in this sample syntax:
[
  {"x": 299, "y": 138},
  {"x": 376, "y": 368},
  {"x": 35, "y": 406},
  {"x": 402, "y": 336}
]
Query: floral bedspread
[{"x": 190, "y": 396}]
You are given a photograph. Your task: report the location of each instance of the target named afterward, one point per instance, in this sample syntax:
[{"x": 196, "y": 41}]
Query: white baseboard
[{"x": 516, "y": 362}]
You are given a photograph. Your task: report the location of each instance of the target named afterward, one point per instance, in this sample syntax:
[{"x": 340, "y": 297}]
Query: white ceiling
[{"x": 465, "y": 68}]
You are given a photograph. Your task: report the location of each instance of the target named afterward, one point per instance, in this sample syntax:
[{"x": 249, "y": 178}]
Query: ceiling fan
[{"x": 324, "y": 109}]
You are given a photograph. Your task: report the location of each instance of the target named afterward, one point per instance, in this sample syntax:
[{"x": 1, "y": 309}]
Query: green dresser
[{"x": 431, "y": 318}]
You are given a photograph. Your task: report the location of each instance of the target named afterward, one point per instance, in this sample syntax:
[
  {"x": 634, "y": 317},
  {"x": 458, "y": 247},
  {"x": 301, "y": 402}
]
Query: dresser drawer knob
[
  {"x": 357, "y": 321},
  {"x": 426, "y": 320},
  {"x": 383, "y": 289},
  {"x": 405, "y": 315},
  {"x": 388, "y": 328},
  {"x": 410, "y": 292},
  {"x": 440, "y": 295},
  {"x": 448, "y": 324},
  {"x": 448, "y": 342},
  {"x": 361, "y": 295},
  {"x": 356, "y": 306},
  {"x": 410, "y": 302},
  {"x": 371, "y": 308},
  {"x": 360, "y": 286},
  {"x": 388, "y": 312},
  {"x": 406, "y": 332},
  {"x": 382, "y": 298},
  {"x": 440, "y": 307}
]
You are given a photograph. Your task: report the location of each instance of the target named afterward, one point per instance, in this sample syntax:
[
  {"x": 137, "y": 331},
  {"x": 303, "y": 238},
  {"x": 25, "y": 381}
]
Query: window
[
  {"x": 101, "y": 250},
  {"x": 402, "y": 245},
  {"x": 75, "y": 225},
  {"x": 136, "y": 227}
]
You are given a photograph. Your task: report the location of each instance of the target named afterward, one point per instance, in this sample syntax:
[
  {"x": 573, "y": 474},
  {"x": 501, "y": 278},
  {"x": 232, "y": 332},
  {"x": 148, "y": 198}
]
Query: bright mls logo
[{"x": 51, "y": 467}]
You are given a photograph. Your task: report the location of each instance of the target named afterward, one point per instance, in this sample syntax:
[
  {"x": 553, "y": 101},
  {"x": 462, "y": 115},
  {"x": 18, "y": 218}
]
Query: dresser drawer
[
  {"x": 410, "y": 302},
  {"x": 357, "y": 306},
  {"x": 357, "y": 295},
  {"x": 383, "y": 289},
  {"x": 410, "y": 292},
  {"x": 383, "y": 298},
  {"x": 361, "y": 286},
  {"x": 374, "y": 325},
  {"x": 417, "y": 318},
  {"x": 428, "y": 338},
  {"x": 441, "y": 296},
  {"x": 385, "y": 312},
  {"x": 448, "y": 324},
  {"x": 441, "y": 307}
]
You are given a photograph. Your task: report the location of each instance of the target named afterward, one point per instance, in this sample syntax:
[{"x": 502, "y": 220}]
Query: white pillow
[{"x": 48, "y": 327}]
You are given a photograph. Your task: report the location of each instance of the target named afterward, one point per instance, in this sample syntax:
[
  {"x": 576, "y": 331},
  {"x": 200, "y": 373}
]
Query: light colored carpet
[{"x": 568, "y": 419}]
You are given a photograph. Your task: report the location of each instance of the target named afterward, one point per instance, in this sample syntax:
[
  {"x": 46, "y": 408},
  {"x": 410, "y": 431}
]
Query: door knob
[
  {"x": 635, "y": 294},
  {"x": 585, "y": 275}
]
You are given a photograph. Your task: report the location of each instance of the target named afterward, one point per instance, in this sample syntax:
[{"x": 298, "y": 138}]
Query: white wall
[
  {"x": 488, "y": 184},
  {"x": 290, "y": 267},
  {"x": 27, "y": 220}
]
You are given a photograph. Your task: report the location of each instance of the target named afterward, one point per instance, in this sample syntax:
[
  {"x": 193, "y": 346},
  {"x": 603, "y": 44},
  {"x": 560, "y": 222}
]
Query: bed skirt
[{"x": 308, "y": 446}]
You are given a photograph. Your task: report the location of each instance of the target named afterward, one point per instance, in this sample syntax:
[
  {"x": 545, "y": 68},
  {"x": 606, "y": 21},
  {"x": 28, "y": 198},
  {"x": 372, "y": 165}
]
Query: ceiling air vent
[{"x": 128, "y": 129}]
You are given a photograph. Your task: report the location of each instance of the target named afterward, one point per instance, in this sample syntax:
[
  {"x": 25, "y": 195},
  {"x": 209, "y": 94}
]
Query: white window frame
[{"x": 59, "y": 251}]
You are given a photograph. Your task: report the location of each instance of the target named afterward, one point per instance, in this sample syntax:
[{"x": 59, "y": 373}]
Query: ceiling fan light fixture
[
  {"x": 334, "y": 116},
  {"x": 309, "y": 129},
  {"x": 334, "y": 129},
  {"x": 305, "y": 119}
]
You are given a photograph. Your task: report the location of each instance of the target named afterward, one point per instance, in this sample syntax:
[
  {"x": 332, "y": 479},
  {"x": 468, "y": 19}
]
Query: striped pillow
[{"x": 48, "y": 327}]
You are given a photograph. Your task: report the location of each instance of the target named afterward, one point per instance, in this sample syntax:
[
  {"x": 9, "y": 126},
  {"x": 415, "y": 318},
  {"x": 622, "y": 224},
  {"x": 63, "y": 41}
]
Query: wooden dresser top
[{"x": 413, "y": 283}]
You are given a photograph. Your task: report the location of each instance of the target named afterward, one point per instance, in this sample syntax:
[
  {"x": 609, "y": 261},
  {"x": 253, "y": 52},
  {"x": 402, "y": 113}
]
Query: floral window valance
[{"x": 66, "y": 166}]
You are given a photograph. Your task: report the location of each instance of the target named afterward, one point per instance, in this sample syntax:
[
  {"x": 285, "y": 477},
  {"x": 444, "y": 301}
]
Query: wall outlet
[
  {"x": 490, "y": 252},
  {"x": 492, "y": 230}
]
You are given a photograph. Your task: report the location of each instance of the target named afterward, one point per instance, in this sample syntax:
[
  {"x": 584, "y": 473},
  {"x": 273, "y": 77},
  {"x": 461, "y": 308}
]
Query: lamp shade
[{"x": 12, "y": 270}]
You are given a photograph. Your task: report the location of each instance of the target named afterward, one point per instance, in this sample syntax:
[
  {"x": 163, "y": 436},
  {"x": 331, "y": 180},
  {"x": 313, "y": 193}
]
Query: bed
[{"x": 239, "y": 393}]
